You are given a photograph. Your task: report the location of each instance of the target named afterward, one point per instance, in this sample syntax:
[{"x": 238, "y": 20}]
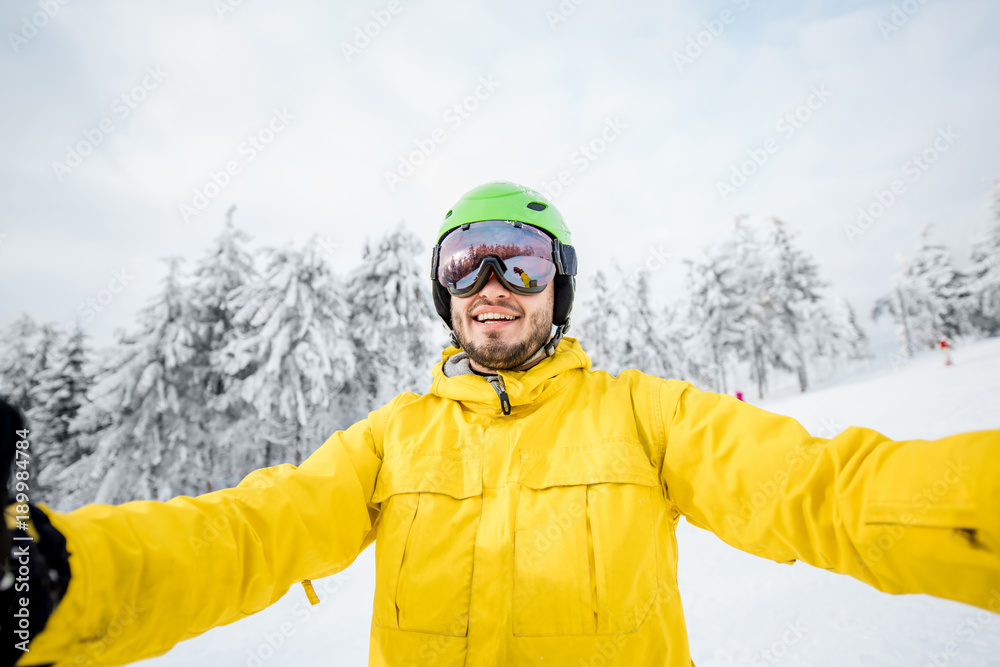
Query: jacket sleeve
[
  {"x": 904, "y": 517},
  {"x": 146, "y": 575}
]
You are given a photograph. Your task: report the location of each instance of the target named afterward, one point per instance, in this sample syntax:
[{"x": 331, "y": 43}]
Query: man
[{"x": 524, "y": 509}]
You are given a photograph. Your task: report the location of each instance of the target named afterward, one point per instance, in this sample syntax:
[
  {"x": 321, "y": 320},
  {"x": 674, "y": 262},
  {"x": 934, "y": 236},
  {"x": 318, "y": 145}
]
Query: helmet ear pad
[
  {"x": 565, "y": 288},
  {"x": 442, "y": 302}
]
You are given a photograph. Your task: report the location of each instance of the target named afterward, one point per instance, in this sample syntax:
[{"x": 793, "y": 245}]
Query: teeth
[{"x": 493, "y": 316}]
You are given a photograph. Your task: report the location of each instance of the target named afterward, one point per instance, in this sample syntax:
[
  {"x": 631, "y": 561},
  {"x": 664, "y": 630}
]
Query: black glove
[{"x": 35, "y": 562}]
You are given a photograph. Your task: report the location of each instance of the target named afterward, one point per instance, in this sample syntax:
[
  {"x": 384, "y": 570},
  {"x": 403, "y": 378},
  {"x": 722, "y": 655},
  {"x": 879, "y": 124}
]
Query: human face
[{"x": 502, "y": 344}]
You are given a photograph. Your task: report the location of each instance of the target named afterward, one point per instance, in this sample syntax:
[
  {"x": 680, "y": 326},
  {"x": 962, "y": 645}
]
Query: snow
[
  {"x": 741, "y": 610},
  {"x": 737, "y": 606}
]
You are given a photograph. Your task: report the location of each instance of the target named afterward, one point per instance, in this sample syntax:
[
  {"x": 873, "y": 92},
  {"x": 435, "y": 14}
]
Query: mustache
[{"x": 512, "y": 307}]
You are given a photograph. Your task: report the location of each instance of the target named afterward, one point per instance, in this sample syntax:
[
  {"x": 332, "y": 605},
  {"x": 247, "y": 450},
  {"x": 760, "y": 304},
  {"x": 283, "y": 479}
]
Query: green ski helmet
[{"x": 515, "y": 203}]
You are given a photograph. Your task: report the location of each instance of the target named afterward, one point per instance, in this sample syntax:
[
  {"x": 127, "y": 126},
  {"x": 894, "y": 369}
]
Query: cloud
[{"x": 656, "y": 184}]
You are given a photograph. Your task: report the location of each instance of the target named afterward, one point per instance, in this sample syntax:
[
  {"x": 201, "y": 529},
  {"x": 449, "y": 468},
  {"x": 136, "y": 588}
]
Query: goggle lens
[{"x": 523, "y": 254}]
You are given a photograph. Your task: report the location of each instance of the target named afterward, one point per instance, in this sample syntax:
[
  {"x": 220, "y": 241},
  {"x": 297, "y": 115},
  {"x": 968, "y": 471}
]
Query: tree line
[
  {"x": 755, "y": 307},
  {"x": 254, "y": 356},
  {"x": 754, "y": 304}
]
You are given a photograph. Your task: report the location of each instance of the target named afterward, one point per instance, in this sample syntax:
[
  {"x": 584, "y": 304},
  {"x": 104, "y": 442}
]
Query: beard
[{"x": 501, "y": 355}]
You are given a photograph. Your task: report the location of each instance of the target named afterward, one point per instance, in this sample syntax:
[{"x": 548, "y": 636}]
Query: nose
[{"x": 494, "y": 289}]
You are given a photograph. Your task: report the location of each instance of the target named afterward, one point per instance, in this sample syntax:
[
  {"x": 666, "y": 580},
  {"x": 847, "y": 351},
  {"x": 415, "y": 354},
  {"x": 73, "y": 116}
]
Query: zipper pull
[{"x": 498, "y": 386}]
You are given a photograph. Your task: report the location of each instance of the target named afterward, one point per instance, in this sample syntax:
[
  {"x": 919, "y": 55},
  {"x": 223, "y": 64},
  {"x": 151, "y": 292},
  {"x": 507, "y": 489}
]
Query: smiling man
[{"x": 524, "y": 509}]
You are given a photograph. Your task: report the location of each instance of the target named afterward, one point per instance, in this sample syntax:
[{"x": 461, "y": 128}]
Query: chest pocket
[
  {"x": 585, "y": 553},
  {"x": 431, "y": 507}
]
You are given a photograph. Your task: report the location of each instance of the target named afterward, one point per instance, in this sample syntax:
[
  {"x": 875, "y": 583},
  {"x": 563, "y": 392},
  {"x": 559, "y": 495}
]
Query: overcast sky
[{"x": 183, "y": 85}]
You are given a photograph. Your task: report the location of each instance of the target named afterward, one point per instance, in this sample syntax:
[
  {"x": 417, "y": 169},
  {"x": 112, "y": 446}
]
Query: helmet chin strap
[
  {"x": 550, "y": 347},
  {"x": 546, "y": 350}
]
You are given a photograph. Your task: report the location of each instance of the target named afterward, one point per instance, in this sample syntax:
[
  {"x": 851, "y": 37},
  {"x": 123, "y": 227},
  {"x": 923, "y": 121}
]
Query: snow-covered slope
[
  {"x": 738, "y": 607},
  {"x": 741, "y": 610}
]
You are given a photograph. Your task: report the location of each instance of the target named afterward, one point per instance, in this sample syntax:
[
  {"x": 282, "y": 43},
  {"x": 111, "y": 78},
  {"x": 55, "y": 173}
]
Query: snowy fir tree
[
  {"x": 646, "y": 343},
  {"x": 843, "y": 337},
  {"x": 391, "y": 319},
  {"x": 57, "y": 399},
  {"x": 291, "y": 353},
  {"x": 755, "y": 306},
  {"x": 897, "y": 305},
  {"x": 226, "y": 267},
  {"x": 25, "y": 346},
  {"x": 927, "y": 298},
  {"x": 598, "y": 331},
  {"x": 712, "y": 338},
  {"x": 794, "y": 287},
  {"x": 153, "y": 445},
  {"x": 983, "y": 280}
]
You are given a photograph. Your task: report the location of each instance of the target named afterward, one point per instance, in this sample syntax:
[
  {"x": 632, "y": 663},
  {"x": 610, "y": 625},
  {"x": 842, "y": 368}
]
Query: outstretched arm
[
  {"x": 146, "y": 575},
  {"x": 904, "y": 517}
]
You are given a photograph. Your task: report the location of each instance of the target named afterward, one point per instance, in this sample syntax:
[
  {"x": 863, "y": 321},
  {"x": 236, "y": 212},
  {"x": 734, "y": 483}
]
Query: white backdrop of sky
[{"x": 200, "y": 77}]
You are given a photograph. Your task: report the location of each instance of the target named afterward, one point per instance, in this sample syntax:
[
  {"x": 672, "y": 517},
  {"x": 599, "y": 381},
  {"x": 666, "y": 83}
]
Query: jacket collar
[{"x": 523, "y": 388}]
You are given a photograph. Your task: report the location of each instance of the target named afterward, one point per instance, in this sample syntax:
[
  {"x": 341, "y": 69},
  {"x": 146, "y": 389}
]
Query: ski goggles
[{"x": 524, "y": 259}]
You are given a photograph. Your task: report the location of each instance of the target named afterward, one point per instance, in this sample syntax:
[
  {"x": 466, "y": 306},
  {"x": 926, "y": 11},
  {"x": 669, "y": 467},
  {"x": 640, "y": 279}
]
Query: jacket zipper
[{"x": 498, "y": 386}]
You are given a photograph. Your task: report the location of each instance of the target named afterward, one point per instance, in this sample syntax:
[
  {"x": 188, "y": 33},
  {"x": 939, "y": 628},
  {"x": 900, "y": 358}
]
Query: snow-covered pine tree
[
  {"x": 897, "y": 304},
  {"x": 712, "y": 341},
  {"x": 983, "y": 281},
  {"x": 25, "y": 346},
  {"x": 928, "y": 297},
  {"x": 794, "y": 288},
  {"x": 226, "y": 267},
  {"x": 756, "y": 310},
  {"x": 292, "y": 352},
  {"x": 598, "y": 330},
  {"x": 391, "y": 319},
  {"x": 57, "y": 398},
  {"x": 153, "y": 446},
  {"x": 844, "y": 337},
  {"x": 647, "y": 343}
]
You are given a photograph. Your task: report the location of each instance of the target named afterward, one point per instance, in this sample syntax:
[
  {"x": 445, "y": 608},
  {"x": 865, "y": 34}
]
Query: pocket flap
[
  {"x": 428, "y": 473},
  {"x": 925, "y": 516},
  {"x": 620, "y": 462}
]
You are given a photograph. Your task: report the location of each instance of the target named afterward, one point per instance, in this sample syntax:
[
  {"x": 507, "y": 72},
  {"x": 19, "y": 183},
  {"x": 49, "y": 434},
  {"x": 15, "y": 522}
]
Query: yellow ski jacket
[{"x": 545, "y": 537}]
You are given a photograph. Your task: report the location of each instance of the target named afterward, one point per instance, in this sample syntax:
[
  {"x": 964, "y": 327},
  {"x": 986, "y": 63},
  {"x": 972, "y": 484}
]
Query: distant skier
[
  {"x": 946, "y": 347},
  {"x": 524, "y": 508}
]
